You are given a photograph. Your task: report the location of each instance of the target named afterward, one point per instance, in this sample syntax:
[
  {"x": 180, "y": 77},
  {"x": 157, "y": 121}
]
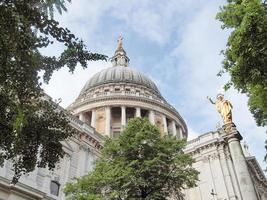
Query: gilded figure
[
  {"x": 224, "y": 107},
  {"x": 120, "y": 42}
]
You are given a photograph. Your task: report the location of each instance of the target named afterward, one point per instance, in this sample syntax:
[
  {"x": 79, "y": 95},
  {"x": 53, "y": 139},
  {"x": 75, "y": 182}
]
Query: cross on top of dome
[{"x": 120, "y": 57}]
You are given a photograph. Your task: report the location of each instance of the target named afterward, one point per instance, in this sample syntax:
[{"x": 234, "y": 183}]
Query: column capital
[
  {"x": 230, "y": 133},
  {"x": 83, "y": 147},
  {"x": 235, "y": 136},
  {"x": 230, "y": 129}
]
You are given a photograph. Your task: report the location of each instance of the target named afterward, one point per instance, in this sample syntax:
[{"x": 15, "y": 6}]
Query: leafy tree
[
  {"x": 139, "y": 164},
  {"x": 246, "y": 52},
  {"x": 31, "y": 125}
]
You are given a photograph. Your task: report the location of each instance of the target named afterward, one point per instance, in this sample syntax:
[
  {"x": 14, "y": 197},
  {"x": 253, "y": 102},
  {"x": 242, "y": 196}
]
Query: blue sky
[{"x": 176, "y": 43}]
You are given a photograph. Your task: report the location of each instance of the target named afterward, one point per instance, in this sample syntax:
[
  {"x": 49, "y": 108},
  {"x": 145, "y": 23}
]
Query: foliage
[
  {"x": 246, "y": 52},
  {"x": 32, "y": 126},
  {"x": 139, "y": 164}
]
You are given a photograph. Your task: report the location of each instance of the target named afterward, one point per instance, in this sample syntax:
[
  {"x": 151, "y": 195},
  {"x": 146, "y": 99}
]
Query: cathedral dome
[
  {"x": 114, "y": 95},
  {"x": 119, "y": 74}
]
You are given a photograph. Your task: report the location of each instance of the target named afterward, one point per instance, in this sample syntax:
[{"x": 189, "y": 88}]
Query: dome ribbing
[{"x": 120, "y": 74}]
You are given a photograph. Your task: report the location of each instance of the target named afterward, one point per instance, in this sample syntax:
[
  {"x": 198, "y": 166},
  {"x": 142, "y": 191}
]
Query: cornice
[
  {"x": 86, "y": 133},
  {"x": 256, "y": 170},
  {"x": 23, "y": 189},
  {"x": 196, "y": 146}
]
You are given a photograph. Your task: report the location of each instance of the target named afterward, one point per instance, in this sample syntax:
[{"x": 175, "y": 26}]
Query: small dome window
[{"x": 54, "y": 188}]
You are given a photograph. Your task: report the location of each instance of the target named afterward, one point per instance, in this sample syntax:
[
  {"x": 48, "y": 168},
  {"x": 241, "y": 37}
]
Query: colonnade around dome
[{"x": 111, "y": 120}]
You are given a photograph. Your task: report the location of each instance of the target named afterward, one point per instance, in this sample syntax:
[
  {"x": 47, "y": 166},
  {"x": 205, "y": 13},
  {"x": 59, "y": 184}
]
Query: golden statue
[
  {"x": 120, "y": 42},
  {"x": 224, "y": 107}
]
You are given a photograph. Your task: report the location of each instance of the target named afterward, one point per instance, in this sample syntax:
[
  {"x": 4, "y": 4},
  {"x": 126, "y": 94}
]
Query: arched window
[{"x": 54, "y": 188}]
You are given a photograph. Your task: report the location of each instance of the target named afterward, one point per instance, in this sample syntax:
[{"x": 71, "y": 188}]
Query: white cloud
[
  {"x": 67, "y": 86},
  {"x": 153, "y": 20},
  {"x": 192, "y": 133},
  {"x": 84, "y": 17}
]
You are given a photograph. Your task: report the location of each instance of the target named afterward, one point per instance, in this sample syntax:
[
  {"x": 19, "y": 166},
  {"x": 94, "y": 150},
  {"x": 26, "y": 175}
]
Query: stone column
[
  {"x": 108, "y": 117},
  {"x": 82, "y": 160},
  {"x": 165, "y": 128},
  {"x": 151, "y": 117},
  {"x": 67, "y": 168},
  {"x": 180, "y": 132},
  {"x": 123, "y": 116},
  {"x": 226, "y": 174},
  {"x": 137, "y": 112},
  {"x": 174, "y": 131},
  {"x": 233, "y": 175},
  {"x": 82, "y": 117},
  {"x": 240, "y": 166},
  {"x": 93, "y": 118},
  {"x": 90, "y": 160}
]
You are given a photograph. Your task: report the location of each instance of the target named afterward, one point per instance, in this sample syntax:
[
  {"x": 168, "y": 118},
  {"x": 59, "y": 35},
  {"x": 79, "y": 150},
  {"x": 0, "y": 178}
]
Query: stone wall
[
  {"x": 221, "y": 176},
  {"x": 80, "y": 154}
]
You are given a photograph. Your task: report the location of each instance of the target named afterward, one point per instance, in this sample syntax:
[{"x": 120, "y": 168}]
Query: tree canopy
[
  {"x": 246, "y": 52},
  {"x": 31, "y": 125},
  {"x": 139, "y": 164}
]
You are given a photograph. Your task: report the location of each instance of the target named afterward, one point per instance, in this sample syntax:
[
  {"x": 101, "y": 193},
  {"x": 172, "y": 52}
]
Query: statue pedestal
[
  {"x": 230, "y": 129},
  {"x": 245, "y": 183}
]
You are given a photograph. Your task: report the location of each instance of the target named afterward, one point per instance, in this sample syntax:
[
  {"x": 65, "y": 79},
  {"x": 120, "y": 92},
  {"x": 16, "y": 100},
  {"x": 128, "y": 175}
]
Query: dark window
[{"x": 54, "y": 188}]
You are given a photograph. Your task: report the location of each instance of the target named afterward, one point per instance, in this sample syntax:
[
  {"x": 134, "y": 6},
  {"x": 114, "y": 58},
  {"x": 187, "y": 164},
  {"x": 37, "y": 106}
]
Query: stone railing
[
  {"x": 202, "y": 140},
  {"x": 123, "y": 93},
  {"x": 84, "y": 127}
]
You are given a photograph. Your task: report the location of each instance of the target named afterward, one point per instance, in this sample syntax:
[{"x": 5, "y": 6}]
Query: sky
[{"x": 177, "y": 43}]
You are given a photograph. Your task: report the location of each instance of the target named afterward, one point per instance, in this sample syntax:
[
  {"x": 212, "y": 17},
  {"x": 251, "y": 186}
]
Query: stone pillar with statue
[{"x": 233, "y": 138}]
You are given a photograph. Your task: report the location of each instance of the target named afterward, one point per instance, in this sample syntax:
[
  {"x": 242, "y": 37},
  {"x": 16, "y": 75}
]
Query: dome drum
[
  {"x": 147, "y": 105},
  {"x": 119, "y": 88},
  {"x": 110, "y": 120}
]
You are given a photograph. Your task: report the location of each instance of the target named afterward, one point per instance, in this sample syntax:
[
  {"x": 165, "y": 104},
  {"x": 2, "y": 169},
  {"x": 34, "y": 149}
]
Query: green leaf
[{"x": 139, "y": 164}]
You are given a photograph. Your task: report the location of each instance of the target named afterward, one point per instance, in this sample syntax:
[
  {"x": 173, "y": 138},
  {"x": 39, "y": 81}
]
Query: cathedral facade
[{"x": 104, "y": 106}]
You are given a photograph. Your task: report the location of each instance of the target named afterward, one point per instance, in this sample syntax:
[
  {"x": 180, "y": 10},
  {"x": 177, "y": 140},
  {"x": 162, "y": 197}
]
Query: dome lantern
[{"x": 120, "y": 58}]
